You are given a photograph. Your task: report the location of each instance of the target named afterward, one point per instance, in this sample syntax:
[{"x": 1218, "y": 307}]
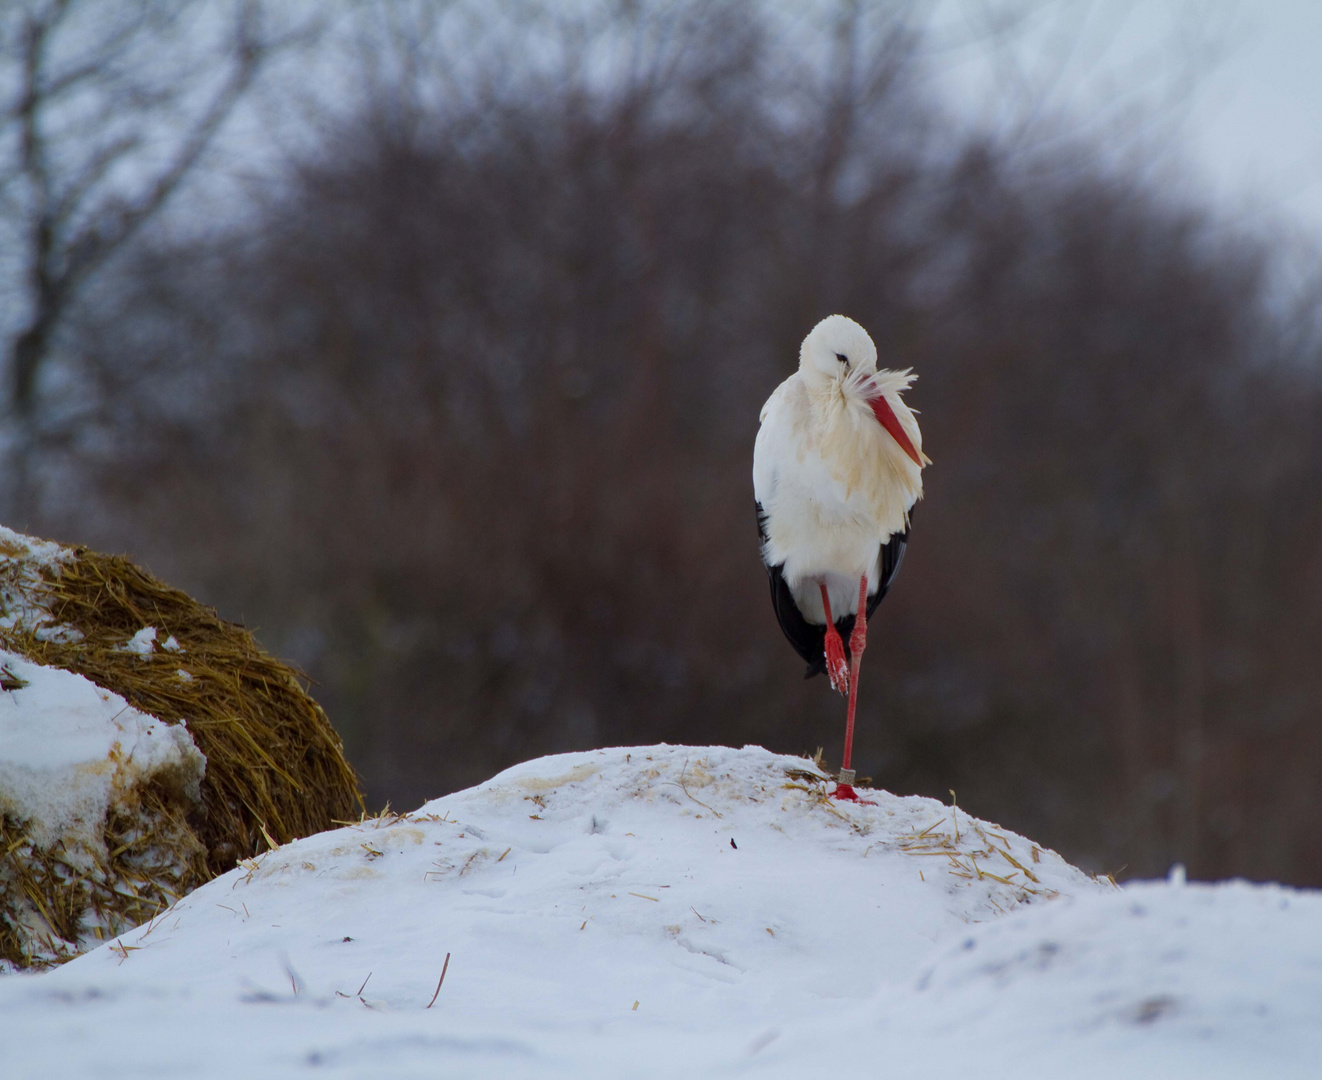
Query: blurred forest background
[{"x": 429, "y": 340}]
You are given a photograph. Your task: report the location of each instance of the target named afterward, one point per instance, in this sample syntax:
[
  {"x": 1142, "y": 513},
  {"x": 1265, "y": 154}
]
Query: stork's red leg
[
  {"x": 836, "y": 670},
  {"x": 857, "y": 643}
]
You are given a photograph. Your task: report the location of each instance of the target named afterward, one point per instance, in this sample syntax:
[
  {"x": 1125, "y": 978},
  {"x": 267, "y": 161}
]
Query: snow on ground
[{"x": 665, "y": 911}]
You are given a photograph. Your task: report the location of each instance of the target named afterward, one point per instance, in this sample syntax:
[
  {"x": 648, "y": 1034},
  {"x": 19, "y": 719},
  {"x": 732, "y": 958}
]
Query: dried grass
[{"x": 973, "y": 853}]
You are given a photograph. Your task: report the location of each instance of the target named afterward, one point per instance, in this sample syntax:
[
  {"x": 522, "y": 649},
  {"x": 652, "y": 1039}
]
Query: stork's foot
[
  {"x": 836, "y": 668},
  {"x": 846, "y": 793}
]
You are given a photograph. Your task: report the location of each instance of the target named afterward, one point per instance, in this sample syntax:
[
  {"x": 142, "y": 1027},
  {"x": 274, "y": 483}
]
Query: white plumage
[{"x": 837, "y": 467}]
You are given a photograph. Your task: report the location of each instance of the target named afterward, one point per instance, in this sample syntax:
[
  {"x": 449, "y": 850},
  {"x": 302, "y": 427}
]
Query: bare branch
[
  {"x": 92, "y": 248},
  {"x": 76, "y": 215}
]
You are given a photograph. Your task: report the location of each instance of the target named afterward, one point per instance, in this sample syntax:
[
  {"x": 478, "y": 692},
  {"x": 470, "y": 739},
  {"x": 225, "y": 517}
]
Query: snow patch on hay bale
[
  {"x": 94, "y": 801},
  {"x": 145, "y": 746}
]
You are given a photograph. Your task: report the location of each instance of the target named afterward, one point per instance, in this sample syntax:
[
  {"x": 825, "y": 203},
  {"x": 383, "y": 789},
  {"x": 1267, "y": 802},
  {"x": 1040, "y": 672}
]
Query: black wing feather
[{"x": 809, "y": 639}]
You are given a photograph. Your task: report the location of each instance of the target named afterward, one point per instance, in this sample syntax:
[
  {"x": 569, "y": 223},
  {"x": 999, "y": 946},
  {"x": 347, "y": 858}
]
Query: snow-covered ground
[{"x": 664, "y": 911}]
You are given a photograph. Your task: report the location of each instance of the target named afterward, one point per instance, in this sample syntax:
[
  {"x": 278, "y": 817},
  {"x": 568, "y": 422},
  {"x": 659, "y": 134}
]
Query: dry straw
[{"x": 275, "y": 768}]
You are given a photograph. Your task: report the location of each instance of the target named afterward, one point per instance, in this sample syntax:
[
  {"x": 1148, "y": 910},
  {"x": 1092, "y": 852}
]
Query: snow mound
[
  {"x": 1098, "y": 959},
  {"x": 662, "y": 911},
  {"x": 675, "y": 850},
  {"x": 1157, "y": 979}
]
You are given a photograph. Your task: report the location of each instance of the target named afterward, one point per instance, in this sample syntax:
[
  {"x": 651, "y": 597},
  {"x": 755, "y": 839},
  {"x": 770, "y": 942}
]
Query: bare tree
[{"x": 105, "y": 112}]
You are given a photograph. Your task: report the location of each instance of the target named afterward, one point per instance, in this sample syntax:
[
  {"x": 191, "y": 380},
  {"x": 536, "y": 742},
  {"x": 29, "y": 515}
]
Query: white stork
[{"x": 837, "y": 469}]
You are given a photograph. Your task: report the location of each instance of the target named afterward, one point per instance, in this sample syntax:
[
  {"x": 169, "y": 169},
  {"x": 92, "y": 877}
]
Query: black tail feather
[{"x": 809, "y": 639}]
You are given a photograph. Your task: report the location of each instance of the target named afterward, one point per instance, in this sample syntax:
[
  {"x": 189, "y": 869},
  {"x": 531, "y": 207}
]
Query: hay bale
[{"x": 274, "y": 767}]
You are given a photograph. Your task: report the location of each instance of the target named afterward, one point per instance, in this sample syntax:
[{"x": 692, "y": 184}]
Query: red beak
[{"x": 886, "y": 418}]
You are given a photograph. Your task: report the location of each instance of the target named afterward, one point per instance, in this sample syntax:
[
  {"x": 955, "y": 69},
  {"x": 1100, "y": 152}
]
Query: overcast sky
[
  {"x": 1258, "y": 126},
  {"x": 1250, "y": 126}
]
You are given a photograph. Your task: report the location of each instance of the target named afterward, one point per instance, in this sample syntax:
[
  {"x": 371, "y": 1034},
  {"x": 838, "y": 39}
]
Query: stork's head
[
  {"x": 836, "y": 353},
  {"x": 839, "y": 358}
]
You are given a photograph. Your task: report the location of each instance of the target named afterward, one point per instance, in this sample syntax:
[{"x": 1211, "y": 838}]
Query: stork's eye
[{"x": 842, "y": 358}]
